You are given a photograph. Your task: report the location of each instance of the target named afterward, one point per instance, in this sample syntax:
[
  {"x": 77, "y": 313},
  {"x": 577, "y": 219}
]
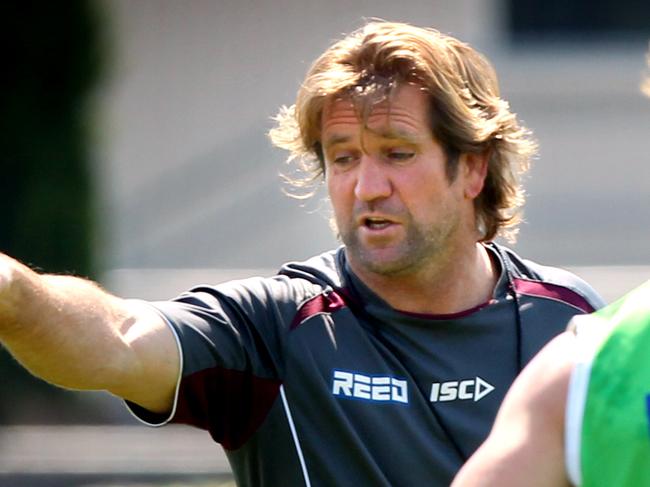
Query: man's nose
[{"x": 372, "y": 180}]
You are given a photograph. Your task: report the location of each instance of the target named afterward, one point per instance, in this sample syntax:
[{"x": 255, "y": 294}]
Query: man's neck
[{"x": 460, "y": 282}]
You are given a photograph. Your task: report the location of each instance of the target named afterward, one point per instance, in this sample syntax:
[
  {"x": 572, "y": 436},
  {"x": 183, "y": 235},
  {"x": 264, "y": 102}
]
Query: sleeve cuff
[{"x": 145, "y": 416}]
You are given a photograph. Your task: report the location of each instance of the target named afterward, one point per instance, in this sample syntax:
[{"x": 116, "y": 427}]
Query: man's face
[{"x": 394, "y": 206}]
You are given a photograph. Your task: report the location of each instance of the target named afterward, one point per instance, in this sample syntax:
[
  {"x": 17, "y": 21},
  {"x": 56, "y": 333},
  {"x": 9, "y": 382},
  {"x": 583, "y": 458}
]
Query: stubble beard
[{"x": 422, "y": 248}]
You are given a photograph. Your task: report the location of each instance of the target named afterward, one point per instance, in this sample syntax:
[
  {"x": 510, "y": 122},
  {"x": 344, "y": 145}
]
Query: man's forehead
[
  {"x": 343, "y": 110},
  {"x": 405, "y": 112}
]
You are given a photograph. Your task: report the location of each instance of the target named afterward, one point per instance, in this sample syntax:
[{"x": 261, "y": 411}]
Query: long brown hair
[{"x": 466, "y": 111}]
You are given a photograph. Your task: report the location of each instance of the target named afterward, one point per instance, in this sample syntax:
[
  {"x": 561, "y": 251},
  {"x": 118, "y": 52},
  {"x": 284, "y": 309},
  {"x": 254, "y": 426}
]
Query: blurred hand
[
  {"x": 8, "y": 268},
  {"x": 5, "y": 272},
  {"x": 5, "y": 278}
]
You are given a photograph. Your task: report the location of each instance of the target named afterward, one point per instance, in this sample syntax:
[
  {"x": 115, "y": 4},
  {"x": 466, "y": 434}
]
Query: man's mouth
[{"x": 376, "y": 223}]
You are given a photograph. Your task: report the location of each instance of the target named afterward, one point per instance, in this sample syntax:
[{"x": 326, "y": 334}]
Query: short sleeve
[{"x": 231, "y": 339}]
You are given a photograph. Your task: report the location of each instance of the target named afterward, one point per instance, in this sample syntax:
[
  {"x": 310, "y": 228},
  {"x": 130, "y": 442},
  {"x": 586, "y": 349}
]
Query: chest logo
[
  {"x": 463, "y": 390},
  {"x": 370, "y": 388}
]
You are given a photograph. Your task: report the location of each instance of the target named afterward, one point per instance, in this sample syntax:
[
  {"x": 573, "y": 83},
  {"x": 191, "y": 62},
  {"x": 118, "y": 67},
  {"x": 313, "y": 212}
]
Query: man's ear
[{"x": 474, "y": 167}]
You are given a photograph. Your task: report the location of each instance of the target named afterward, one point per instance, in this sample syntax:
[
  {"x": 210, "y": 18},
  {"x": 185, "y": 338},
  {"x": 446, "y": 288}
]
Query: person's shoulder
[
  {"x": 296, "y": 281},
  {"x": 295, "y": 284},
  {"x": 322, "y": 269},
  {"x": 633, "y": 305},
  {"x": 531, "y": 277}
]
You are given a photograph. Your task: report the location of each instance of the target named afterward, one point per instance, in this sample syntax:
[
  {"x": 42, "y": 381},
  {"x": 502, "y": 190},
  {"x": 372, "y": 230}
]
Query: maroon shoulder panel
[
  {"x": 322, "y": 303},
  {"x": 552, "y": 291}
]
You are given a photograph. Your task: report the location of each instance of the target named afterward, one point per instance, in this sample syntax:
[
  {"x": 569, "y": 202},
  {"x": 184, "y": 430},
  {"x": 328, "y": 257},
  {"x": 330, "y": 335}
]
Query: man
[
  {"x": 381, "y": 363},
  {"x": 579, "y": 414}
]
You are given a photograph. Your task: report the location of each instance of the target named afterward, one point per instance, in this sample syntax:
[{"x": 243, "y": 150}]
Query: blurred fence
[{"x": 110, "y": 455}]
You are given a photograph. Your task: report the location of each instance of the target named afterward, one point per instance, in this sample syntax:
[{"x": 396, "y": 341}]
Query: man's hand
[
  {"x": 9, "y": 268},
  {"x": 5, "y": 275}
]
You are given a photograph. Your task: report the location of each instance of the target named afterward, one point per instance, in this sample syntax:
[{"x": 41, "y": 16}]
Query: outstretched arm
[
  {"x": 71, "y": 333},
  {"x": 526, "y": 444}
]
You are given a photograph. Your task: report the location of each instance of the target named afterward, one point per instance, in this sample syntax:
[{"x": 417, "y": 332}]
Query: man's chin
[{"x": 384, "y": 261}]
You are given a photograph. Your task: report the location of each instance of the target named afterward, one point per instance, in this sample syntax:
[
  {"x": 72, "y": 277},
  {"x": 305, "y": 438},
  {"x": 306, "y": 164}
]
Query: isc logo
[
  {"x": 382, "y": 388},
  {"x": 463, "y": 390}
]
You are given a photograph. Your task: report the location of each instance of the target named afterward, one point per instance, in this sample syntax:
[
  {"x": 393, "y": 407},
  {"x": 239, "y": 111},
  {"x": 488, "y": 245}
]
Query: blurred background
[{"x": 133, "y": 150}]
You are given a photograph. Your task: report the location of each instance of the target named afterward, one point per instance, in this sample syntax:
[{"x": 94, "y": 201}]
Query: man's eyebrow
[
  {"x": 388, "y": 133},
  {"x": 398, "y": 135},
  {"x": 336, "y": 139}
]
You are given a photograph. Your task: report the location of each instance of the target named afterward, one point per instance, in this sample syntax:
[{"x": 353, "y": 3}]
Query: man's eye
[
  {"x": 400, "y": 155},
  {"x": 343, "y": 158}
]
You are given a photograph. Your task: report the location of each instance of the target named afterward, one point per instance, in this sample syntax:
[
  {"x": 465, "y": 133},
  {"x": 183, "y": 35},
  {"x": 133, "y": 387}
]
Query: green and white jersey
[{"x": 608, "y": 408}]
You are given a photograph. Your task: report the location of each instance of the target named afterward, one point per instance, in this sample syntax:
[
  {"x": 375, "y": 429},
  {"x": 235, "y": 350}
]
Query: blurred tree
[
  {"x": 578, "y": 20},
  {"x": 52, "y": 61}
]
